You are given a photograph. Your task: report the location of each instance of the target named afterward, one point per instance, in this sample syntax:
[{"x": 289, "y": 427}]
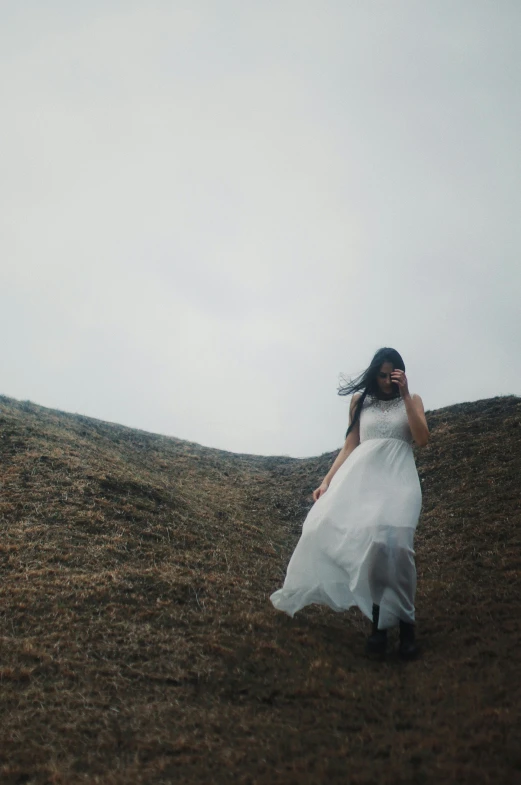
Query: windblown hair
[{"x": 366, "y": 382}]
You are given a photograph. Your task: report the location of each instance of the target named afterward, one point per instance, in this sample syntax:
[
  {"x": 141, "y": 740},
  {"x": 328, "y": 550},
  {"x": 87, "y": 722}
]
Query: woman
[{"x": 356, "y": 546}]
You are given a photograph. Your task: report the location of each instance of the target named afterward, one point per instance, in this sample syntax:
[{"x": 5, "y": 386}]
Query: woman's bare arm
[
  {"x": 417, "y": 419},
  {"x": 414, "y": 409},
  {"x": 350, "y": 444}
]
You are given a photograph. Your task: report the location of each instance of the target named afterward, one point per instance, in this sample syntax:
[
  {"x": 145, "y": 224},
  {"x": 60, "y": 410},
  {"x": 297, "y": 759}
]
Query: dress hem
[{"x": 291, "y": 602}]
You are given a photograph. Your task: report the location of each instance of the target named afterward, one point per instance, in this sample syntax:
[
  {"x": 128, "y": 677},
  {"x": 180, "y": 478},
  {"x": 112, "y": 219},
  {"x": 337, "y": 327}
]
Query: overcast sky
[{"x": 210, "y": 209}]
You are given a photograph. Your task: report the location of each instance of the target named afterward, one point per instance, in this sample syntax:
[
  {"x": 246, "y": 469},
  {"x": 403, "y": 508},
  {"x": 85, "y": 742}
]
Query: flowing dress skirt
[{"x": 356, "y": 546}]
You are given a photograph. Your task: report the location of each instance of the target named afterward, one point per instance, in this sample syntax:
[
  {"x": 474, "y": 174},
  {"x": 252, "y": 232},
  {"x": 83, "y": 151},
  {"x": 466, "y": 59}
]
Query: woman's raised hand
[
  {"x": 399, "y": 378},
  {"x": 320, "y": 490}
]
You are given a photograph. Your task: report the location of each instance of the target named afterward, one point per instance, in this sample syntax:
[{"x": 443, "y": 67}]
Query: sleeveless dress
[{"x": 356, "y": 546}]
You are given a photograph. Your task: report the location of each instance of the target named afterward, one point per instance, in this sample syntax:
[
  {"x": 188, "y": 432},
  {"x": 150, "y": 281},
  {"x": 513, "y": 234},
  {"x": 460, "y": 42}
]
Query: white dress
[{"x": 356, "y": 546}]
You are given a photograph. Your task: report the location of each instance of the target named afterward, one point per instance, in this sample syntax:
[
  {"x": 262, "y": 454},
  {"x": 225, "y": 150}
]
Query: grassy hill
[{"x": 138, "y": 645}]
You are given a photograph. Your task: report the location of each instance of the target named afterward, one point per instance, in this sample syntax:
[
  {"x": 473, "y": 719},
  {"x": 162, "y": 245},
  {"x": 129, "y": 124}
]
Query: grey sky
[{"x": 211, "y": 209}]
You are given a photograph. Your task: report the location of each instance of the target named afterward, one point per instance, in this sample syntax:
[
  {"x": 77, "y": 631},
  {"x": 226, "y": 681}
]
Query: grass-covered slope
[{"x": 138, "y": 645}]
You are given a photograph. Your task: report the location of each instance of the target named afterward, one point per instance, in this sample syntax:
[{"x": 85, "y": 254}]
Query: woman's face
[{"x": 383, "y": 378}]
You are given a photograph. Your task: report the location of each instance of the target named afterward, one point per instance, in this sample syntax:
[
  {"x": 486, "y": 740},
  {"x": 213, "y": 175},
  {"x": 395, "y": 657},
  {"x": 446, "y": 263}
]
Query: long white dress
[{"x": 356, "y": 546}]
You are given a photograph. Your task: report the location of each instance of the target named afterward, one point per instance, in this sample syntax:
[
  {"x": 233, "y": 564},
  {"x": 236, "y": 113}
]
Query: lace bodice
[{"x": 384, "y": 420}]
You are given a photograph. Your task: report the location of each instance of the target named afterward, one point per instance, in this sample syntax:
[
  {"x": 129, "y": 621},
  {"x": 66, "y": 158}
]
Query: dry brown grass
[{"x": 138, "y": 644}]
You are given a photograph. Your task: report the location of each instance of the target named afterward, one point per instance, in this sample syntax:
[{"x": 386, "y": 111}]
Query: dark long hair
[{"x": 366, "y": 382}]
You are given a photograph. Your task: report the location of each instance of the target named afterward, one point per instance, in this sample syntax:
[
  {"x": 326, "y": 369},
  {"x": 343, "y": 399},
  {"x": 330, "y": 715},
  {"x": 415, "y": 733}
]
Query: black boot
[
  {"x": 407, "y": 650},
  {"x": 377, "y": 641}
]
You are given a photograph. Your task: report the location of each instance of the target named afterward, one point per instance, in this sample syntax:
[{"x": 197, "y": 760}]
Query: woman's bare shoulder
[{"x": 354, "y": 400}]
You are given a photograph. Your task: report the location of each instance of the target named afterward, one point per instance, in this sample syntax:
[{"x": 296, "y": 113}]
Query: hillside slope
[{"x": 138, "y": 644}]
